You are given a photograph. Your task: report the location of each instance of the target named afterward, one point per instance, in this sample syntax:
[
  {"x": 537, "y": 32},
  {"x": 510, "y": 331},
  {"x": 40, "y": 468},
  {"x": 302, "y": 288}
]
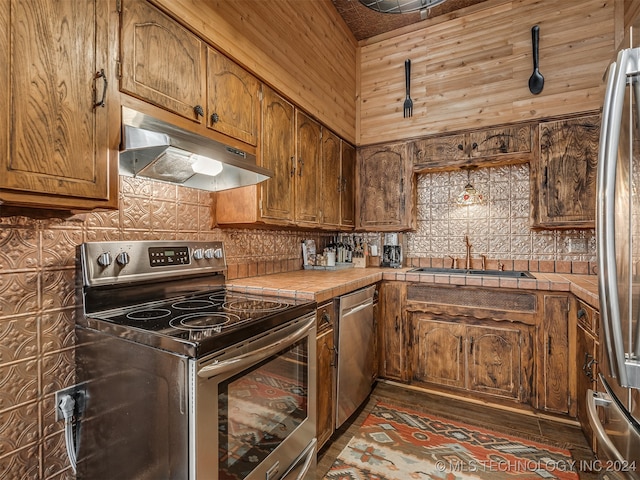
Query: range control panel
[
  {"x": 161, "y": 256},
  {"x": 115, "y": 262}
]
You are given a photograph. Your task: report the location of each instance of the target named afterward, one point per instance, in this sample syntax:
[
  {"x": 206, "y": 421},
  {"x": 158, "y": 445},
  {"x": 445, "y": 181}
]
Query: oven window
[{"x": 259, "y": 408}]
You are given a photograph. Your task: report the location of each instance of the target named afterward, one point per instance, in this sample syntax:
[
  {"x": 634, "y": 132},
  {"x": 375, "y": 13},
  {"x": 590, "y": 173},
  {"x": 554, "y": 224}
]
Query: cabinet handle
[
  {"x": 214, "y": 118},
  {"x": 587, "y": 367},
  {"x": 474, "y": 145},
  {"x": 460, "y": 146},
  {"x": 549, "y": 344},
  {"x": 105, "y": 83},
  {"x": 326, "y": 318},
  {"x": 301, "y": 162},
  {"x": 198, "y": 110},
  {"x": 545, "y": 178},
  {"x": 581, "y": 313},
  {"x": 471, "y": 345},
  {"x": 293, "y": 166},
  {"x": 396, "y": 325},
  {"x": 334, "y": 356},
  {"x": 460, "y": 343}
]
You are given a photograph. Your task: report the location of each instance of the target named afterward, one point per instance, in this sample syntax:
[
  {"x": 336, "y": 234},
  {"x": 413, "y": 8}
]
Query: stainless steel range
[{"x": 185, "y": 379}]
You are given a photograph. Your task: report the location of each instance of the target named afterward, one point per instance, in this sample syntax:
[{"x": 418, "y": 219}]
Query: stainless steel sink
[{"x": 460, "y": 271}]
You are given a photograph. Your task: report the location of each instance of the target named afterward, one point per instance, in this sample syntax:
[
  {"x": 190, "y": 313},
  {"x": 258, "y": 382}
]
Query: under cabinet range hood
[{"x": 157, "y": 150}]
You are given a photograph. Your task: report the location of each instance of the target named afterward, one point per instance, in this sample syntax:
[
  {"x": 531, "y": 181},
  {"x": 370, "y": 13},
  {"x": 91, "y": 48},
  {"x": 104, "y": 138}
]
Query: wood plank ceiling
[{"x": 366, "y": 23}]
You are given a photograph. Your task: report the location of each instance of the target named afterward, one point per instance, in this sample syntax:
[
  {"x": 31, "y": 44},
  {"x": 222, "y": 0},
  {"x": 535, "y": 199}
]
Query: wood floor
[{"x": 537, "y": 428}]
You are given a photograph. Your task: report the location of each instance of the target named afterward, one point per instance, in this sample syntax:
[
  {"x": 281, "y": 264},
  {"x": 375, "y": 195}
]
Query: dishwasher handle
[{"x": 356, "y": 308}]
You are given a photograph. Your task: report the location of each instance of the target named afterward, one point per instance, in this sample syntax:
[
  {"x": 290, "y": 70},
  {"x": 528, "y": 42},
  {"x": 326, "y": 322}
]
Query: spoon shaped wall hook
[{"x": 536, "y": 80}]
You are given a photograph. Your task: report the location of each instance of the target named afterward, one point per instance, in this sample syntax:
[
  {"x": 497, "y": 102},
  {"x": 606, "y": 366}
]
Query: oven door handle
[{"x": 242, "y": 361}]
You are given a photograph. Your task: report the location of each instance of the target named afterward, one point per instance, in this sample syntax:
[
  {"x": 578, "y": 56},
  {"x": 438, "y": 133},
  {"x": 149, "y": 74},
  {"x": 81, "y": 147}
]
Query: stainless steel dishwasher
[{"x": 356, "y": 356}]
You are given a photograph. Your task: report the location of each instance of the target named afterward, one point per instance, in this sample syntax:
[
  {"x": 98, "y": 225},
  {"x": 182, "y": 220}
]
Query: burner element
[
  {"x": 149, "y": 314},
  {"x": 254, "y": 305},
  {"x": 203, "y": 321},
  {"x": 193, "y": 304}
]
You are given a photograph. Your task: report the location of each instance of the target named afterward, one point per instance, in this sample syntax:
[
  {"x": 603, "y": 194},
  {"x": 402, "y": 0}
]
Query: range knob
[
  {"x": 209, "y": 253},
  {"x": 104, "y": 259},
  {"x": 217, "y": 253},
  {"x": 198, "y": 253},
  {"x": 123, "y": 259}
]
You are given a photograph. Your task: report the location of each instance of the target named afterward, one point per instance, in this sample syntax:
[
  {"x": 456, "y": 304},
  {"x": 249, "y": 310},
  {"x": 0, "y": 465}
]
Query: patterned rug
[{"x": 400, "y": 444}]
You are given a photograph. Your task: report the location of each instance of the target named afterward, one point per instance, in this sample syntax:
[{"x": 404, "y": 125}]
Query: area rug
[{"x": 396, "y": 443}]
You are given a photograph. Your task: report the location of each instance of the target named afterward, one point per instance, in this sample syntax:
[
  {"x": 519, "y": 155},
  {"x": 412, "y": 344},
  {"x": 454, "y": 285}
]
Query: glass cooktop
[{"x": 201, "y": 323}]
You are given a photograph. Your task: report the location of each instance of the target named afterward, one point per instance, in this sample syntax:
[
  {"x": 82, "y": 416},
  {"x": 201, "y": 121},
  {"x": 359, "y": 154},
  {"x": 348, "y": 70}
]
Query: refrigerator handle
[
  {"x": 599, "y": 399},
  {"x": 605, "y": 213}
]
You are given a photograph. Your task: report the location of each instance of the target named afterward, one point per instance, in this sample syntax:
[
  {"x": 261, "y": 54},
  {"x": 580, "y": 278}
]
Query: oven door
[{"x": 254, "y": 407}]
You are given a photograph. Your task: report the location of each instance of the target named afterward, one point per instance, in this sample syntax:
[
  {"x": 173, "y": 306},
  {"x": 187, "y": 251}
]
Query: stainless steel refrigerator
[{"x": 614, "y": 410}]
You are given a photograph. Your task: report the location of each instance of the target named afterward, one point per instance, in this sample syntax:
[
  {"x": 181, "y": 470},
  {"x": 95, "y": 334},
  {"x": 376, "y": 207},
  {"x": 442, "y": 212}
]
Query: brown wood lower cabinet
[
  {"x": 554, "y": 355},
  {"x": 586, "y": 365},
  {"x": 391, "y": 331},
  {"x": 478, "y": 356},
  {"x": 326, "y": 356}
]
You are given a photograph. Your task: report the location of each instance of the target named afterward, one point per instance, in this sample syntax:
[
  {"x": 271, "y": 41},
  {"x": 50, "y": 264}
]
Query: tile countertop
[{"x": 323, "y": 285}]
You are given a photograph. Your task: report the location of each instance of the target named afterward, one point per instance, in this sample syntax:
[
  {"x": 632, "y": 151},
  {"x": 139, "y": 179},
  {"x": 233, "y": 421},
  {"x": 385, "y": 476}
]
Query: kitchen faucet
[{"x": 468, "y": 257}]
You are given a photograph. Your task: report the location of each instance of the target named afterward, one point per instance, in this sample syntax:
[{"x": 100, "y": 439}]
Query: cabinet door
[
  {"x": 278, "y": 155},
  {"x": 386, "y": 188},
  {"x": 500, "y": 141},
  {"x": 430, "y": 152},
  {"x": 391, "y": 343},
  {"x": 437, "y": 351},
  {"x": 308, "y": 176},
  {"x": 162, "y": 62},
  {"x": 494, "y": 361},
  {"x": 348, "y": 180},
  {"x": 324, "y": 407},
  {"x": 331, "y": 188},
  {"x": 553, "y": 387},
  {"x": 56, "y": 144},
  {"x": 563, "y": 179},
  {"x": 233, "y": 99},
  {"x": 586, "y": 367}
]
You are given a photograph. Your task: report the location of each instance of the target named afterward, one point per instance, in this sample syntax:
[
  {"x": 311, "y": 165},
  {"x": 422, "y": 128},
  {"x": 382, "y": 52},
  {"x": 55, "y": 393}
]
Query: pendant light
[
  {"x": 469, "y": 196},
  {"x": 400, "y": 6}
]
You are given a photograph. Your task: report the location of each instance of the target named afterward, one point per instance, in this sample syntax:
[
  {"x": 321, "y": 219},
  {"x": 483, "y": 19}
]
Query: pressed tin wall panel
[
  {"x": 37, "y": 303},
  {"x": 498, "y": 228}
]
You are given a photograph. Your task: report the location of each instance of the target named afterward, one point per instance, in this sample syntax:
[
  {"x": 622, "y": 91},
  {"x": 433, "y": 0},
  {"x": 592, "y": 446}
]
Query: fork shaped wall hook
[{"x": 408, "y": 103}]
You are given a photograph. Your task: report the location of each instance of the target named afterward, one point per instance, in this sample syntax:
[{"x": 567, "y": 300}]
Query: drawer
[
  {"x": 588, "y": 317},
  {"x": 325, "y": 317}
]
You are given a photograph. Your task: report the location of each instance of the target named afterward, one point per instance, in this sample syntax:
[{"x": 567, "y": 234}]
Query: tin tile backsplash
[{"x": 497, "y": 228}]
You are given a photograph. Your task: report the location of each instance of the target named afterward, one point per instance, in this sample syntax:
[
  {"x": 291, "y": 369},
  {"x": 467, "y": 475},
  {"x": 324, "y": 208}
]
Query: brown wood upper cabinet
[
  {"x": 338, "y": 176},
  {"x": 563, "y": 176},
  {"x": 492, "y": 147},
  {"x": 59, "y": 120},
  {"x": 307, "y": 178},
  {"x": 162, "y": 62},
  {"x": 306, "y": 160},
  {"x": 233, "y": 103},
  {"x": 276, "y": 201},
  {"x": 386, "y": 189},
  {"x": 165, "y": 64}
]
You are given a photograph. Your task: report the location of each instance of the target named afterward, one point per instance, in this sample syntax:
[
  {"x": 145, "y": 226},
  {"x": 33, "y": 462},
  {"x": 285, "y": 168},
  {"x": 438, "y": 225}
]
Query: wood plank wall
[
  {"x": 303, "y": 49},
  {"x": 471, "y": 70}
]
